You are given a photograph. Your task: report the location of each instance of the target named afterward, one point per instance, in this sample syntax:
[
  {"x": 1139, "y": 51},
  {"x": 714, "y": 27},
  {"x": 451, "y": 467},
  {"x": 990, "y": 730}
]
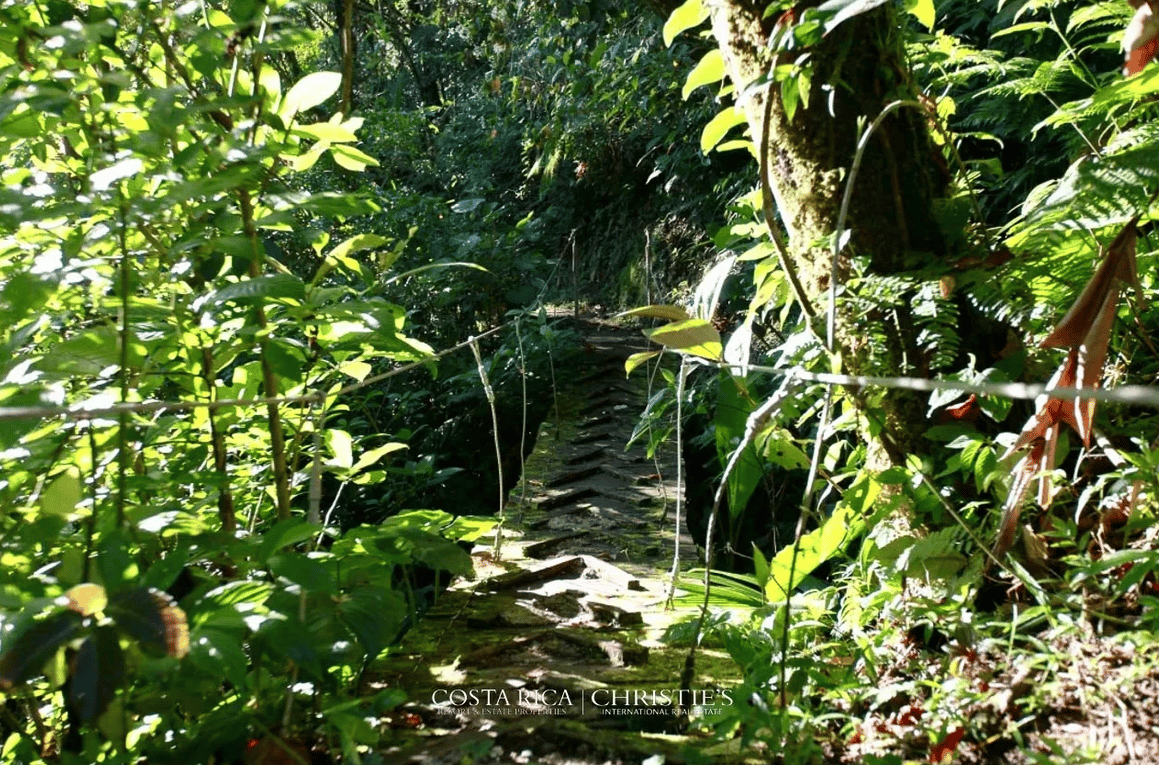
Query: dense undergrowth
[{"x": 244, "y": 435}]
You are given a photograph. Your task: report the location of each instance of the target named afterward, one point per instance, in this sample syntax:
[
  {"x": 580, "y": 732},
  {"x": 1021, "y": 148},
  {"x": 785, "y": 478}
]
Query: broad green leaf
[
  {"x": 357, "y": 369},
  {"x": 220, "y": 655},
  {"x": 24, "y": 656},
  {"x": 311, "y": 574},
  {"x": 63, "y": 494},
  {"x": 351, "y": 158},
  {"x": 325, "y": 131},
  {"x": 693, "y": 336},
  {"x": 760, "y": 566},
  {"x": 98, "y": 672},
  {"x": 666, "y": 312},
  {"x": 468, "y": 528},
  {"x": 843, "y": 10},
  {"x": 308, "y": 92},
  {"x": 776, "y": 445},
  {"x": 303, "y": 162},
  {"x": 814, "y": 548},
  {"x": 709, "y": 70},
  {"x": 153, "y": 619},
  {"x": 924, "y": 11},
  {"x": 233, "y": 593},
  {"x": 733, "y": 407},
  {"x": 375, "y": 616},
  {"x": 261, "y": 287},
  {"x": 368, "y": 458},
  {"x": 341, "y": 447},
  {"x": 115, "y": 559},
  {"x": 691, "y": 13},
  {"x": 287, "y": 532},
  {"x": 636, "y": 359},
  {"x": 718, "y": 127}
]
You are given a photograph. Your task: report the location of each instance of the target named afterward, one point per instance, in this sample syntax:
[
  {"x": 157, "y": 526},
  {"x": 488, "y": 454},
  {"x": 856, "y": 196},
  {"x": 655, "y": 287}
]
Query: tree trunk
[
  {"x": 346, "y": 32},
  {"x": 857, "y": 69}
]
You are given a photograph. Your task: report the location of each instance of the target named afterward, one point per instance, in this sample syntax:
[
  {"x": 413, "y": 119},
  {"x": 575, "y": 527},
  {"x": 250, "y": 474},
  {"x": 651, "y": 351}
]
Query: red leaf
[
  {"x": 1054, "y": 411},
  {"x": 942, "y": 752},
  {"x": 967, "y": 411}
]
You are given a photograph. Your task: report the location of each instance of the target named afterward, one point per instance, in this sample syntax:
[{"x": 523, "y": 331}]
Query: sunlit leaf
[
  {"x": 325, "y": 131},
  {"x": 371, "y": 456},
  {"x": 341, "y": 446},
  {"x": 63, "y": 494},
  {"x": 308, "y": 92},
  {"x": 636, "y": 359},
  {"x": 709, "y": 70},
  {"x": 924, "y": 11},
  {"x": 690, "y": 14},
  {"x": 351, "y": 158},
  {"x": 311, "y": 574},
  {"x": 694, "y": 336},
  {"x": 665, "y": 312},
  {"x": 718, "y": 127},
  {"x": 87, "y": 599},
  {"x": 812, "y": 550}
]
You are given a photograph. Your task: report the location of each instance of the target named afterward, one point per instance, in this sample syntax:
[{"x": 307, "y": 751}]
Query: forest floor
[
  {"x": 560, "y": 651},
  {"x": 554, "y": 653}
]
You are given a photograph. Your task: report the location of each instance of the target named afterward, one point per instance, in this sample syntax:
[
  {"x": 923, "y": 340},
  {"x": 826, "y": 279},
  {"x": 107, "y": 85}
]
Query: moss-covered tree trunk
[{"x": 857, "y": 70}]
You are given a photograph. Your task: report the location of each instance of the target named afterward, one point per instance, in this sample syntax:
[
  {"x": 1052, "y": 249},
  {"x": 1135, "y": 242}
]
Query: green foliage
[{"x": 165, "y": 252}]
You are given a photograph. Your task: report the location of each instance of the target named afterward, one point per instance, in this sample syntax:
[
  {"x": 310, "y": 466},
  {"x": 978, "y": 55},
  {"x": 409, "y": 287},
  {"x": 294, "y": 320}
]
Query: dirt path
[{"x": 553, "y": 654}]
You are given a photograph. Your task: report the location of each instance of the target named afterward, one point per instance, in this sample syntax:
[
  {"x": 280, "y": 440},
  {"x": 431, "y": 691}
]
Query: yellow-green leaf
[
  {"x": 351, "y": 158},
  {"x": 707, "y": 71},
  {"x": 665, "y": 312},
  {"x": 693, "y": 336},
  {"x": 325, "y": 131},
  {"x": 718, "y": 127},
  {"x": 691, "y": 13},
  {"x": 924, "y": 11},
  {"x": 341, "y": 446},
  {"x": 308, "y": 92},
  {"x": 374, "y": 455},
  {"x": 303, "y": 162},
  {"x": 812, "y": 550},
  {"x": 62, "y": 495},
  {"x": 636, "y": 359}
]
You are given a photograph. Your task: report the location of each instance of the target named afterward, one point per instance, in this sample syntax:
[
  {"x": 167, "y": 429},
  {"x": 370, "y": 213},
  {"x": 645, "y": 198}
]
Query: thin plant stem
[{"x": 490, "y": 393}]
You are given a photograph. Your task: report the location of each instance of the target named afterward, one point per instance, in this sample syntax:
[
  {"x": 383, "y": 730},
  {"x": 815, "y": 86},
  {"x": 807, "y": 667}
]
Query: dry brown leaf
[
  {"x": 1141, "y": 38},
  {"x": 1086, "y": 331},
  {"x": 1024, "y": 473},
  {"x": 1119, "y": 264},
  {"x": 1052, "y": 411}
]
